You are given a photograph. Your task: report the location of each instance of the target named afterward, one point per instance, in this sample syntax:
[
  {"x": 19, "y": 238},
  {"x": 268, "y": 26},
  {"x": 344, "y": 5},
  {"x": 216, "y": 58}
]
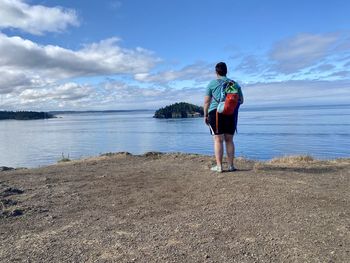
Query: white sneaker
[
  {"x": 217, "y": 169},
  {"x": 231, "y": 169}
]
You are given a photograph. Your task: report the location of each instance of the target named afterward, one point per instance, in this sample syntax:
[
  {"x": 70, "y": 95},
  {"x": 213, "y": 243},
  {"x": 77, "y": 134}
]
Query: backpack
[{"x": 229, "y": 97}]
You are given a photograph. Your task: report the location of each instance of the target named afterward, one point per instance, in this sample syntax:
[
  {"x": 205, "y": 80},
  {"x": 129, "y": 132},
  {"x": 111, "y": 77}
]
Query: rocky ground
[{"x": 171, "y": 208}]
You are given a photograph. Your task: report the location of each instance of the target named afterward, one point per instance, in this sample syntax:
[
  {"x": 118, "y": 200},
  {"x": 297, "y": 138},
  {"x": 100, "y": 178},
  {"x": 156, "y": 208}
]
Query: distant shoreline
[
  {"x": 96, "y": 111},
  {"x": 243, "y": 108},
  {"x": 25, "y": 115}
]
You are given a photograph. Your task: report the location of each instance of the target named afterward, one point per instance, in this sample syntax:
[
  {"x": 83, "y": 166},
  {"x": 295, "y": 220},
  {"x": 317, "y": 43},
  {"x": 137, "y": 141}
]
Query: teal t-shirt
[{"x": 214, "y": 89}]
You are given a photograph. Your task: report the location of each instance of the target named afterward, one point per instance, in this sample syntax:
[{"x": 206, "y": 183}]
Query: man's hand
[
  {"x": 206, "y": 120},
  {"x": 207, "y": 100}
]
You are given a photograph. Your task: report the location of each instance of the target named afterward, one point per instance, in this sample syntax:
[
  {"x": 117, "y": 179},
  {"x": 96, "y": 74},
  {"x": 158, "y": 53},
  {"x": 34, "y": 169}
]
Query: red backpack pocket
[{"x": 231, "y": 103}]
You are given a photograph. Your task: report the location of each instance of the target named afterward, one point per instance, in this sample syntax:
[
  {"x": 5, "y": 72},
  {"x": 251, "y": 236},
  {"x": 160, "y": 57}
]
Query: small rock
[
  {"x": 16, "y": 212},
  {"x": 12, "y": 191},
  {"x": 13, "y": 213},
  {"x": 8, "y": 202}
]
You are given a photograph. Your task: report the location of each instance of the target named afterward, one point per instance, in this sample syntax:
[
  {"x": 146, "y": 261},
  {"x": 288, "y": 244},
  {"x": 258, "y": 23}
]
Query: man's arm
[
  {"x": 241, "y": 98},
  {"x": 207, "y": 100}
]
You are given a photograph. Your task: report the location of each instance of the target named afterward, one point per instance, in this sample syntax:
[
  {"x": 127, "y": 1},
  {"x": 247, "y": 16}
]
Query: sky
[{"x": 134, "y": 54}]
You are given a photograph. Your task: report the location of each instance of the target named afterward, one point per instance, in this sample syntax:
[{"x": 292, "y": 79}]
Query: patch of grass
[
  {"x": 292, "y": 159},
  {"x": 8, "y": 212},
  {"x": 340, "y": 161},
  {"x": 2, "y": 206},
  {"x": 286, "y": 162},
  {"x": 8, "y": 209},
  {"x": 153, "y": 154},
  {"x": 109, "y": 154},
  {"x": 64, "y": 159}
]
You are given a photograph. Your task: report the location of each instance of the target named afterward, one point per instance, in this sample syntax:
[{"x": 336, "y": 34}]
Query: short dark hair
[{"x": 221, "y": 68}]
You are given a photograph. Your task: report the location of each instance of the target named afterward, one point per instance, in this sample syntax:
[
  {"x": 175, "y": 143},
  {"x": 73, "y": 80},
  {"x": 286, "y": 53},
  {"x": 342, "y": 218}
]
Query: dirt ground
[{"x": 171, "y": 208}]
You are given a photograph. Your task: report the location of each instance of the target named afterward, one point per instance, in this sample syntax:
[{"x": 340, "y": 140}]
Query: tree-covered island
[
  {"x": 24, "y": 115},
  {"x": 179, "y": 110}
]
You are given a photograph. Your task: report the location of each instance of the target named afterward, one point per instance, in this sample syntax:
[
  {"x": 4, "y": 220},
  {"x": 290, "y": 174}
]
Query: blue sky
[{"x": 79, "y": 55}]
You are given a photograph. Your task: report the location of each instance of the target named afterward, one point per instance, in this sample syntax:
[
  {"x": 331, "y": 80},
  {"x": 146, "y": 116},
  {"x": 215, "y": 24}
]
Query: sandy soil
[{"x": 171, "y": 208}]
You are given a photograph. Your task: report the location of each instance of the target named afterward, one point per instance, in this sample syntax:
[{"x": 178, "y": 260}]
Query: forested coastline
[{"x": 24, "y": 115}]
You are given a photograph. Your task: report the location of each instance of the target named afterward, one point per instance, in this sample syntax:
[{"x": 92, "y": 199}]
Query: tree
[{"x": 179, "y": 110}]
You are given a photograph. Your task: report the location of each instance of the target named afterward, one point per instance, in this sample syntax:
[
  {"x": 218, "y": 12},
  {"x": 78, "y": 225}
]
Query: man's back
[{"x": 214, "y": 91}]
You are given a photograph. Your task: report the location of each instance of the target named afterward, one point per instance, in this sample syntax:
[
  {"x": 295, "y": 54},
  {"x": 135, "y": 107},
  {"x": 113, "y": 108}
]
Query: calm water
[{"x": 262, "y": 134}]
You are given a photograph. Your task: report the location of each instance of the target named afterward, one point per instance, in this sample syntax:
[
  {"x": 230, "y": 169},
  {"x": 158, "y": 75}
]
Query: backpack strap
[{"x": 221, "y": 84}]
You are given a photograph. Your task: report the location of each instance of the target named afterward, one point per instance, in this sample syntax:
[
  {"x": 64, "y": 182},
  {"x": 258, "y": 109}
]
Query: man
[{"x": 223, "y": 127}]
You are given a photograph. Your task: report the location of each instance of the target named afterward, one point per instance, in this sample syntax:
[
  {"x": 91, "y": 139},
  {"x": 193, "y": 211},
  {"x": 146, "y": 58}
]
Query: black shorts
[{"x": 227, "y": 123}]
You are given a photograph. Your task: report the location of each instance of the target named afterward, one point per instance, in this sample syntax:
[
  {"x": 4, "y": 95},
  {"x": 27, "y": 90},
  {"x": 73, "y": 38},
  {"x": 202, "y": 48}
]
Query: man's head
[{"x": 221, "y": 69}]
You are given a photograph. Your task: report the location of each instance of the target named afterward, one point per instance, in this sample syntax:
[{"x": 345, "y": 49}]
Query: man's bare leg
[
  {"x": 230, "y": 149},
  {"x": 218, "y": 149}
]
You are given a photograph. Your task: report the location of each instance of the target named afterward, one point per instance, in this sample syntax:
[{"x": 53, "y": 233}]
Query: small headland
[{"x": 179, "y": 110}]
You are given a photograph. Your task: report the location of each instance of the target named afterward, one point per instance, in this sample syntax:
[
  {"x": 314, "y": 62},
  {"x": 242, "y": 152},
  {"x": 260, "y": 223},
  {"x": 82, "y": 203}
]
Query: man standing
[{"x": 222, "y": 126}]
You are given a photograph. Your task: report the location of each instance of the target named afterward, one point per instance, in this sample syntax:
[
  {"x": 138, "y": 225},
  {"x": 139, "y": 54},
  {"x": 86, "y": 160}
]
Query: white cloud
[
  {"x": 66, "y": 92},
  {"x": 252, "y": 65},
  {"x": 102, "y": 58},
  {"x": 31, "y": 73},
  {"x": 122, "y": 95},
  {"x": 200, "y": 71},
  {"x": 323, "y": 68},
  {"x": 301, "y": 51},
  {"x": 11, "y": 81},
  {"x": 108, "y": 95},
  {"x": 343, "y": 74},
  {"x": 344, "y": 45},
  {"x": 301, "y": 92},
  {"x": 15, "y": 81},
  {"x": 50, "y": 97},
  {"x": 33, "y": 76},
  {"x": 35, "y": 19}
]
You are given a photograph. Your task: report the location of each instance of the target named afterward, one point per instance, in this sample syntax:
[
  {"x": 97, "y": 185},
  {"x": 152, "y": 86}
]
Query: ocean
[{"x": 263, "y": 133}]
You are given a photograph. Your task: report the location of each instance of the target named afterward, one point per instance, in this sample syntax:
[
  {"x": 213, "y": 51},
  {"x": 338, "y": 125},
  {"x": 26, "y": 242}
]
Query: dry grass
[
  {"x": 289, "y": 162},
  {"x": 64, "y": 159},
  {"x": 283, "y": 162},
  {"x": 302, "y": 163},
  {"x": 112, "y": 154},
  {"x": 292, "y": 160},
  {"x": 8, "y": 210},
  {"x": 340, "y": 161},
  {"x": 2, "y": 206}
]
